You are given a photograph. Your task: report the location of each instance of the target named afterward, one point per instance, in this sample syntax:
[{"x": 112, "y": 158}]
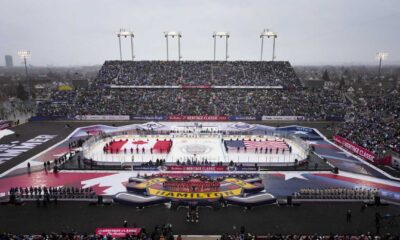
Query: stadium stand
[
  {"x": 154, "y": 88},
  {"x": 237, "y": 73},
  {"x": 374, "y": 123}
]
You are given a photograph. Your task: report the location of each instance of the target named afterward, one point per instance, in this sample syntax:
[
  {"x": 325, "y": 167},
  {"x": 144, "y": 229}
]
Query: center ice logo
[
  {"x": 151, "y": 125},
  {"x": 242, "y": 126},
  {"x": 195, "y": 149}
]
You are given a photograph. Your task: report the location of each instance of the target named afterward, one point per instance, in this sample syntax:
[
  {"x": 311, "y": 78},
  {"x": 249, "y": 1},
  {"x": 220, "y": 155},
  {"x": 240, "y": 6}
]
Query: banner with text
[
  {"x": 48, "y": 118},
  {"x": 354, "y": 148},
  {"x": 197, "y": 168},
  {"x": 198, "y": 118},
  {"x": 16, "y": 148},
  {"x": 283, "y": 118},
  {"x": 118, "y": 232},
  {"x": 244, "y": 118},
  {"x": 148, "y": 118},
  {"x": 102, "y": 117}
]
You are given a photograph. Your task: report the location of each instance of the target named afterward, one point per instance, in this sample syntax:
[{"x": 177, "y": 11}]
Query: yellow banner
[
  {"x": 150, "y": 182},
  {"x": 240, "y": 183},
  {"x": 190, "y": 195},
  {"x": 65, "y": 88}
]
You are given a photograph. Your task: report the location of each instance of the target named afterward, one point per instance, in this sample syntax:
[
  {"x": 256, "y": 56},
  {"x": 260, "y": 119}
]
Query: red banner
[
  {"x": 197, "y": 168},
  {"x": 362, "y": 152},
  {"x": 118, "y": 232},
  {"x": 354, "y": 148},
  {"x": 198, "y": 118},
  {"x": 387, "y": 160}
]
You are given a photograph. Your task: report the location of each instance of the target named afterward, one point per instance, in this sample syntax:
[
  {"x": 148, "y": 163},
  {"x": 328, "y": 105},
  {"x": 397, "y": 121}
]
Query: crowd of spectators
[
  {"x": 16, "y": 110},
  {"x": 177, "y": 73},
  {"x": 374, "y": 123},
  {"x": 101, "y": 99},
  {"x": 336, "y": 193},
  {"x": 313, "y": 105}
]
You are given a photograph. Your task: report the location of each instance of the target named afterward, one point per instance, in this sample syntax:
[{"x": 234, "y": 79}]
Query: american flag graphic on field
[
  {"x": 234, "y": 144},
  {"x": 270, "y": 144},
  {"x": 265, "y": 144}
]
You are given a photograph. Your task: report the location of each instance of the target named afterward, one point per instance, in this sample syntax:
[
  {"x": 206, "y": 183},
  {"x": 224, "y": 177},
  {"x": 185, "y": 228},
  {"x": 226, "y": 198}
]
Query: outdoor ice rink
[{"x": 192, "y": 147}]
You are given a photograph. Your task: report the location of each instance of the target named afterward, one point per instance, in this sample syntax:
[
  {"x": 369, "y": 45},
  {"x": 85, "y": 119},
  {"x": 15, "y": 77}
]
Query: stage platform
[{"x": 196, "y": 189}]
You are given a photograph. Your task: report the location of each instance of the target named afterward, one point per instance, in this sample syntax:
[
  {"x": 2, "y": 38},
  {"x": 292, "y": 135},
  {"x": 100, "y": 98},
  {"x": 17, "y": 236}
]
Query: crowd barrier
[
  {"x": 173, "y": 118},
  {"x": 102, "y": 117},
  {"x": 283, "y": 118},
  {"x": 244, "y": 118},
  {"x": 198, "y": 118},
  {"x": 49, "y": 118}
]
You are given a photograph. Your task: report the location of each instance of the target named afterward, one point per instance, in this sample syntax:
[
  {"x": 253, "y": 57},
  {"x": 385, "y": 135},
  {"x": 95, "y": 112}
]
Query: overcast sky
[{"x": 83, "y": 32}]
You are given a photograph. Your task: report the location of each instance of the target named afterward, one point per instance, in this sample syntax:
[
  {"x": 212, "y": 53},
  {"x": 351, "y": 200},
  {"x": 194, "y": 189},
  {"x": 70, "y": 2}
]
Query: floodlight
[
  {"x": 221, "y": 35},
  {"x": 173, "y": 34},
  {"x": 125, "y": 33},
  {"x": 24, "y": 54},
  {"x": 382, "y": 55},
  {"x": 267, "y": 33}
]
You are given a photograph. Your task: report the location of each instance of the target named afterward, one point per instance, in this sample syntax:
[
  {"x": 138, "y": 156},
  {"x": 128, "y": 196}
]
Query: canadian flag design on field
[{"x": 155, "y": 144}]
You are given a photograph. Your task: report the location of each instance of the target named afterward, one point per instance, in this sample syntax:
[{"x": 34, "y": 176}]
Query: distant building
[{"x": 9, "y": 61}]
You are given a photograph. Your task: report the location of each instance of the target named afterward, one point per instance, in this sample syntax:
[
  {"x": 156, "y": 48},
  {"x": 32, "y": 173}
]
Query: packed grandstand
[
  {"x": 238, "y": 90},
  {"x": 156, "y": 88}
]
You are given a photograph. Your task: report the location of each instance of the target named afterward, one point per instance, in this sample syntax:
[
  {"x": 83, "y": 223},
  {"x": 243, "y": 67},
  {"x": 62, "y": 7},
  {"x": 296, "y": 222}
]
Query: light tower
[
  {"x": 381, "y": 56},
  {"x": 221, "y": 35},
  {"x": 174, "y": 34},
  {"x": 267, "y": 33},
  {"x": 24, "y": 55},
  {"x": 125, "y": 33}
]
